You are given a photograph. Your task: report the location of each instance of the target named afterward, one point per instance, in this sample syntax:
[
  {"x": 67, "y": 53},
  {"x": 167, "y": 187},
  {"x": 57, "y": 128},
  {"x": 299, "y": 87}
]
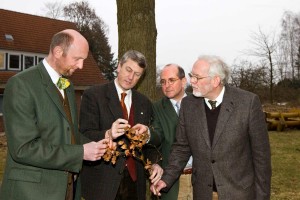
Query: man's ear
[
  {"x": 58, "y": 51},
  {"x": 118, "y": 68},
  {"x": 184, "y": 82},
  {"x": 217, "y": 81}
]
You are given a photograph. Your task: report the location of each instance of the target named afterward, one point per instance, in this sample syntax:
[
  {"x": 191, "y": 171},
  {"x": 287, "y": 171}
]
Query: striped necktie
[{"x": 213, "y": 104}]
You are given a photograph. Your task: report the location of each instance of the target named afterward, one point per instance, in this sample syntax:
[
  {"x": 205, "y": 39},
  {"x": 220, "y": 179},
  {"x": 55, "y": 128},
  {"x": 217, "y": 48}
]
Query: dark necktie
[
  {"x": 213, "y": 104},
  {"x": 129, "y": 160},
  {"x": 124, "y": 109}
]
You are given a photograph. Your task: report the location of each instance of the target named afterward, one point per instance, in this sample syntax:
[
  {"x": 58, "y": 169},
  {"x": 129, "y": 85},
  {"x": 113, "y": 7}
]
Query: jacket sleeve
[{"x": 260, "y": 150}]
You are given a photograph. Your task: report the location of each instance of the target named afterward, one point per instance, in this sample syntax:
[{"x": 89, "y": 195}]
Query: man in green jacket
[
  {"x": 166, "y": 110},
  {"x": 45, "y": 150}
]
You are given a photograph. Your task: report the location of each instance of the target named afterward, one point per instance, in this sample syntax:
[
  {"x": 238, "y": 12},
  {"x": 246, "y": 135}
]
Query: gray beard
[{"x": 197, "y": 94}]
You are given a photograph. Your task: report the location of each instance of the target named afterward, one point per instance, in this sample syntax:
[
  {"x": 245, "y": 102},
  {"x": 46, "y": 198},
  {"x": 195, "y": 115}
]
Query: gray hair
[
  {"x": 136, "y": 56},
  {"x": 217, "y": 67}
]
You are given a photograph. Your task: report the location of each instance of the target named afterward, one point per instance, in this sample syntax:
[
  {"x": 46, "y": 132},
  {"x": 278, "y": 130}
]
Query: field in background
[{"x": 285, "y": 148}]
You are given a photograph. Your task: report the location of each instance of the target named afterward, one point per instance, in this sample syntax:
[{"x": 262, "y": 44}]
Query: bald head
[
  {"x": 68, "y": 50},
  {"x": 66, "y": 38},
  {"x": 173, "y": 81},
  {"x": 175, "y": 68}
]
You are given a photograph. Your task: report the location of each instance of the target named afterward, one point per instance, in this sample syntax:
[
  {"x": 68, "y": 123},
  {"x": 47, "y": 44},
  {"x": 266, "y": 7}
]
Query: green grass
[
  {"x": 285, "y": 149},
  {"x": 2, "y": 162}
]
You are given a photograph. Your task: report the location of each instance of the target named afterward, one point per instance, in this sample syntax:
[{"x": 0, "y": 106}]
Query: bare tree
[
  {"x": 91, "y": 27},
  {"x": 249, "y": 76},
  {"x": 137, "y": 30},
  {"x": 264, "y": 48},
  {"x": 94, "y": 29},
  {"x": 297, "y": 63},
  {"x": 54, "y": 10},
  {"x": 290, "y": 38},
  {"x": 282, "y": 56}
]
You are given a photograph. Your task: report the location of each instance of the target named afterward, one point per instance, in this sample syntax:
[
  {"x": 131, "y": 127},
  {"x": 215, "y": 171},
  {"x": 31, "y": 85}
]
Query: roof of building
[{"x": 32, "y": 34}]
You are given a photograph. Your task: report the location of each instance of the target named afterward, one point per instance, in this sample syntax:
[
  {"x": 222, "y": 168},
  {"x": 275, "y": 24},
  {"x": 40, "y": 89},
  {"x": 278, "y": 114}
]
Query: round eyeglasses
[
  {"x": 194, "y": 78},
  {"x": 170, "y": 81}
]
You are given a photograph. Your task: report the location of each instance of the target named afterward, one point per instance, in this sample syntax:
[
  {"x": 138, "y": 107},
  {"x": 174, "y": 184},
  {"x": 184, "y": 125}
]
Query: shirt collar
[
  {"x": 52, "y": 73},
  {"x": 173, "y": 101},
  {"x": 120, "y": 91},
  {"x": 219, "y": 99}
]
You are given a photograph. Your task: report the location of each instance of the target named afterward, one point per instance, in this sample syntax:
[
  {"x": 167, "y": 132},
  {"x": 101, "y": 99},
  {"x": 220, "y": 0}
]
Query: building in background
[{"x": 24, "y": 42}]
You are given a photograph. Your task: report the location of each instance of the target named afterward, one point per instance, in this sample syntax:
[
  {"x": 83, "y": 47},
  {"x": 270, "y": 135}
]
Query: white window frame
[
  {"x": 2, "y": 63},
  {"x": 38, "y": 59},
  {"x": 14, "y": 54},
  {"x": 28, "y": 55}
]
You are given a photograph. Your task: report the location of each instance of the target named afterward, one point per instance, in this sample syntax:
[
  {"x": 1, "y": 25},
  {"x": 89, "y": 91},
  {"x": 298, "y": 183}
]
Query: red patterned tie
[
  {"x": 129, "y": 161},
  {"x": 124, "y": 109}
]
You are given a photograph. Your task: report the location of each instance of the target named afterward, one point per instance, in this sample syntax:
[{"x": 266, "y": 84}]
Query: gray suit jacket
[
  {"x": 39, "y": 138},
  {"x": 239, "y": 157}
]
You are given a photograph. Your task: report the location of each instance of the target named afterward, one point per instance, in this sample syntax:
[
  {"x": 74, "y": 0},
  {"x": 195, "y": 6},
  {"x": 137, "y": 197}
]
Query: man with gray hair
[
  {"x": 224, "y": 129},
  {"x": 106, "y": 111}
]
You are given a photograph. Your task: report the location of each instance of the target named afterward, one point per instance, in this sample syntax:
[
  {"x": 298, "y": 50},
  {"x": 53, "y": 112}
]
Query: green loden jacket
[
  {"x": 39, "y": 138},
  {"x": 165, "y": 123}
]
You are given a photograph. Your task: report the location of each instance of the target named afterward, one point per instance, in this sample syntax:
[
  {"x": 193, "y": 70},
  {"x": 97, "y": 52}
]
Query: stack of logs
[{"x": 280, "y": 120}]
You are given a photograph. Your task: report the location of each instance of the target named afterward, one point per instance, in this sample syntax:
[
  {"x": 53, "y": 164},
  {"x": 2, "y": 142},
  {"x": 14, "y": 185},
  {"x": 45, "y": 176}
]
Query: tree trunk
[{"x": 137, "y": 31}]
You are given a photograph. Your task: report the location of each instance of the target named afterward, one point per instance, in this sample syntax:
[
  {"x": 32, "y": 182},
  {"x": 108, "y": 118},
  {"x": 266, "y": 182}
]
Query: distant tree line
[{"x": 275, "y": 75}]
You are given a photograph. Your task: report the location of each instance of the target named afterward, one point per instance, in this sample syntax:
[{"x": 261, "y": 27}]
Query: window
[
  {"x": 2, "y": 60},
  {"x": 14, "y": 62},
  {"x": 9, "y": 37},
  {"x": 28, "y": 61},
  {"x": 40, "y": 59}
]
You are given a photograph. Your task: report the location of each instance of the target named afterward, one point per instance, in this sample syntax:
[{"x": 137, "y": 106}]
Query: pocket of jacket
[{"x": 25, "y": 175}]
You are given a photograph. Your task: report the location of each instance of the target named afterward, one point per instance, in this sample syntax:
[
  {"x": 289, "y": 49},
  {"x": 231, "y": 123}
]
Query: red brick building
[{"x": 24, "y": 42}]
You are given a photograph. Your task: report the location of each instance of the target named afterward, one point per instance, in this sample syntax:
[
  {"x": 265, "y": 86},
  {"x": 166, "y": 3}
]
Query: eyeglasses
[
  {"x": 195, "y": 79},
  {"x": 171, "y": 81}
]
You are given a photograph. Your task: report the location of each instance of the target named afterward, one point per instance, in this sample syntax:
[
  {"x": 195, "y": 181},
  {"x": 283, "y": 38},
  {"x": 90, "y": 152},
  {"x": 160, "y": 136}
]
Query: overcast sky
[{"x": 188, "y": 28}]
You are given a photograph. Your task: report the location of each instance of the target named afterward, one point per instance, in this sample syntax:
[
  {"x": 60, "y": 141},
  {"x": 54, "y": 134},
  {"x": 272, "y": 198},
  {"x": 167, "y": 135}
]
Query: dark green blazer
[
  {"x": 165, "y": 123},
  {"x": 39, "y": 138}
]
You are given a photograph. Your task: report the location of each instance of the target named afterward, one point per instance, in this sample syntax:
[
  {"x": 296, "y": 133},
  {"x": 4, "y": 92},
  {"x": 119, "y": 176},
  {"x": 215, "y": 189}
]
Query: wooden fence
[{"x": 279, "y": 121}]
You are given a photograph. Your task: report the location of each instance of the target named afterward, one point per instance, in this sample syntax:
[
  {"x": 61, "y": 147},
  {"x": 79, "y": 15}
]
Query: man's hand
[
  {"x": 140, "y": 129},
  {"x": 118, "y": 128},
  {"x": 155, "y": 189},
  {"x": 94, "y": 150},
  {"x": 156, "y": 174}
]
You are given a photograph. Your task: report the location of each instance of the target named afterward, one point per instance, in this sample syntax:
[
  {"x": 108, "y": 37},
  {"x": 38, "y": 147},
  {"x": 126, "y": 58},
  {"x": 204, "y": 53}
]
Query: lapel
[
  {"x": 51, "y": 89},
  {"x": 197, "y": 118},
  {"x": 72, "y": 102},
  {"x": 139, "y": 108},
  {"x": 200, "y": 105},
  {"x": 225, "y": 113},
  {"x": 113, "y": 100},
  {"x": 168, "y": 108},
  {"x": 171, "y": 118}
]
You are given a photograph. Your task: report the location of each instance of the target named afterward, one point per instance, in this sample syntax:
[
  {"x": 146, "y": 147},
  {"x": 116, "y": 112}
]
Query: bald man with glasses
[{"x": 166, "y": 110}]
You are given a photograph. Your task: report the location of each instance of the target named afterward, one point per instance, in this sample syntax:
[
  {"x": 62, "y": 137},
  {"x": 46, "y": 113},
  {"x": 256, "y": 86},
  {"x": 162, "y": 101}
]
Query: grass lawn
[{"x": 285, "y": 149}]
